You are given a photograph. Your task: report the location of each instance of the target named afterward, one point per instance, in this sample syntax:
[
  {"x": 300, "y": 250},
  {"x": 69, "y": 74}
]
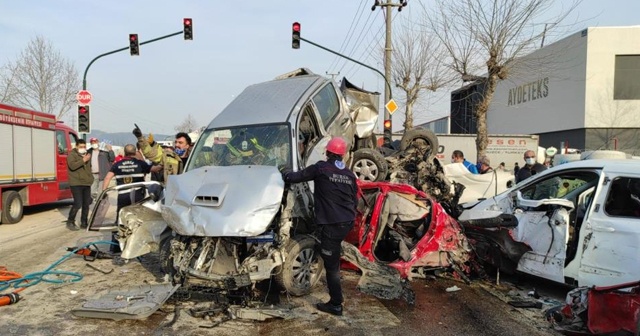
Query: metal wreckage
[{"x": 229, "y": 223}]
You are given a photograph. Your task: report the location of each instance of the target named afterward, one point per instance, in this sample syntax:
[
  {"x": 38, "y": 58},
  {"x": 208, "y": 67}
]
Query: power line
[
  {"x": 351, "y": 35},
  {"x": 342, "y": 46},
  {"x": 358, "y": 39}
]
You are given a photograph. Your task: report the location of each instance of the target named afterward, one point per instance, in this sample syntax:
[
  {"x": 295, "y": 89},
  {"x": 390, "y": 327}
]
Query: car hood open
[{"x": 236, "y": 201}]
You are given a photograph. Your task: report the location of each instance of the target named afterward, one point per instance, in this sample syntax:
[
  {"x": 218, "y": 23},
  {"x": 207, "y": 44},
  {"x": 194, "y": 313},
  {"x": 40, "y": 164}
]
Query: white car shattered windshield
[{"x": 265, "y": 145}]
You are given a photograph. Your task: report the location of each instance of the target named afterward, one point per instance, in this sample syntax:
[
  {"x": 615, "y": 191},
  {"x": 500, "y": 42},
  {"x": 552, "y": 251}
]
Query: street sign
[
  {"x": 84, "y": 97},
  {"x": 391, "y": 106}
]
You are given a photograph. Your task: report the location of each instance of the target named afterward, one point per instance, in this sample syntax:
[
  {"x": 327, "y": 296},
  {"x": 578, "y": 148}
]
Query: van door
[
  {"x": 611, "y": 243},
  {"x": 62, "y": 151}
]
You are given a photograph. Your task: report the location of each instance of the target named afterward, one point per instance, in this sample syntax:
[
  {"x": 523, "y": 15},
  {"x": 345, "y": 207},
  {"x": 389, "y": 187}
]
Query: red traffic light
[
  {"x": 296, "y": 27},
  {"x": 133, "y": 37},
  {"x": 387, "y": 124},
  {"x": 187, "y": 22},
  {"x": 82, "y": 109}
]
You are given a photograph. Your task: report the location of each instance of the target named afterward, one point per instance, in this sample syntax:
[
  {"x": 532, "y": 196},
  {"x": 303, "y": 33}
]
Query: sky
[{"x": 236, "y": 44}]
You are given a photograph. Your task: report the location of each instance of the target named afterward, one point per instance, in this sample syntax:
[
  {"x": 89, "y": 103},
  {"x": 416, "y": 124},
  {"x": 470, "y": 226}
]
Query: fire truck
[{"x": 33, "y": 163}]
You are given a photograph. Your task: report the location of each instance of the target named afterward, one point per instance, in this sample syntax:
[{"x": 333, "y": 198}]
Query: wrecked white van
[{"x": 577, "y": 223}]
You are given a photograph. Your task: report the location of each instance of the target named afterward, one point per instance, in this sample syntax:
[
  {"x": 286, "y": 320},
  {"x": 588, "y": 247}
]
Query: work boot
[
  {"x": 71, "y": 221},
  {"x": 83, "y": 225},
  {"x": 72, "y": 226},
  {"x": 330, "y": 308}
]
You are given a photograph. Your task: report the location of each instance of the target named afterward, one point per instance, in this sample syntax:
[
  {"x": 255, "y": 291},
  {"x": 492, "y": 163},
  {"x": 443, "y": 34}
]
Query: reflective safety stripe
[
  {"x": 233, "y": 150},
  {"x": 255, "y": 143},
  {"x": 130, "y": 175}
]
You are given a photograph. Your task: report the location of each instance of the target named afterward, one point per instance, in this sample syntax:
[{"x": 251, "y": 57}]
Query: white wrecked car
[{"x": 577, "y": 223}]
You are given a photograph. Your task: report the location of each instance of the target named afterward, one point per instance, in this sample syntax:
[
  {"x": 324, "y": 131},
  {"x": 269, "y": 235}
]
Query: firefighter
[
  {"x": 335, "y": 200},
  {"x": 244, "y": 148},
  {"x": 167, "y": 161}
]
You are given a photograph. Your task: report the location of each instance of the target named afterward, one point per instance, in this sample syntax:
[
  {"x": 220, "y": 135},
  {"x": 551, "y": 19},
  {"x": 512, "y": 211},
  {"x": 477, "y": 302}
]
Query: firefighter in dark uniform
[
  {"x": 128, "y": 170},
  {"x": 335, "y": 201}
]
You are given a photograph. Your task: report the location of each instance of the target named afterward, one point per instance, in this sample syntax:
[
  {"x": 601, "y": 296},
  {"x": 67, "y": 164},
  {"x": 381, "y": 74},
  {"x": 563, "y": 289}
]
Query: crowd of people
[
  {"x": 483, "y": 165},
  {"x": 91, "y": 168}
]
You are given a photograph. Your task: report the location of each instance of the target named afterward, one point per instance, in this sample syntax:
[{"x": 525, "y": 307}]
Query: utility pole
[
  {"x": 333, "y": 75},
  {"x": 388, "y": 6}
]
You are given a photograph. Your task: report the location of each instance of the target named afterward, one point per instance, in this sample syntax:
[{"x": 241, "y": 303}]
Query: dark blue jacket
[{"x": 335, "y": 190}]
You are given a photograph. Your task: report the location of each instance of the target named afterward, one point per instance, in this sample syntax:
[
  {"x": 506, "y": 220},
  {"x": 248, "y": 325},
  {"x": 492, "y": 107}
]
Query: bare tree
[
  {"x": 41, "y": 79},
  {"x": 418, "y": 66},
  {"x": 6, "y": 82},
  {"x": 189, "y": 124},
  {"x": 484, "y": 40}
]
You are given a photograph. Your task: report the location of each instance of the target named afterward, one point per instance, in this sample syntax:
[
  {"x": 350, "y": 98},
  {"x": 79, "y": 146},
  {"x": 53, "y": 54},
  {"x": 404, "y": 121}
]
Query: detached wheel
[
  {"x": 166, "y": 259},
  {"x": 302, "y": 267},
  {"x": 420, "y": 137},
  {"x": 12, "y": 207},
  {"x": 369, "y": 165}
]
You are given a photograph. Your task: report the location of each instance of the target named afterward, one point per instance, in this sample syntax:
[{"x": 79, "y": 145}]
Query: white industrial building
[{"x": 583, "y": 90}]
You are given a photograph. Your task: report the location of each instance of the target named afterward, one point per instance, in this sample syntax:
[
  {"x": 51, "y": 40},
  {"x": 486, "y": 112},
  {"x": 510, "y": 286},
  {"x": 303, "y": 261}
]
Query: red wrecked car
[
  {"x": 407, "y": 230},
  {"x": 599, "y": 311}
]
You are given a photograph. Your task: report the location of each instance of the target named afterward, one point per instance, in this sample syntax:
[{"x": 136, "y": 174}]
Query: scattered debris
[
  {"x": 134, "y": 303},
  {"x": 378, "y": 279},
  {"x": 453, "y": 289},
  {"x": 99, "y": 270},
  {"x": 526, "y": 304},
  {"x": 73, "y": 292}
]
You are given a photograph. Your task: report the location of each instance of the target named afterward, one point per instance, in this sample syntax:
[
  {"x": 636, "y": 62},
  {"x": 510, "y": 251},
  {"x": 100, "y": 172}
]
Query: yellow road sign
[{"x": 391, "y": 106}]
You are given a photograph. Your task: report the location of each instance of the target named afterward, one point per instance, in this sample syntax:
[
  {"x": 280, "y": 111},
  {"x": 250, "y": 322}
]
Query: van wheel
[
  {"x": 302, "y": 266},
  {"x": 369, "y": 165},
  {"x": 11, "y": 207},
  {"x": 420, "y": 137}
]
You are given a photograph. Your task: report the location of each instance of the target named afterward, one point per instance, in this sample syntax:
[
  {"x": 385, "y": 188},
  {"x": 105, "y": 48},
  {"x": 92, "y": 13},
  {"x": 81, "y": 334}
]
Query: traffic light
[
  {"x": 188, "y": 28},
  {"x": 387, "y": 132},
  {"x": 134, "y": 46},
  {"x": 84, "y": 119},
  {"x": 295, "y": 40}
]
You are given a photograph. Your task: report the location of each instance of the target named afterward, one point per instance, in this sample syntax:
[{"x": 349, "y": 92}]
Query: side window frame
[
  {"x": 562, "y": 176},
  {"x": 332, "y": 115},
  {"x": 621, "y": 192},
  {"x": 63, "y": 148}
]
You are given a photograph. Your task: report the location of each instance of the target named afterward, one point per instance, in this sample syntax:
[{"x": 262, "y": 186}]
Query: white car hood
[
  {"x": 478, "y": 185},
  {"x": 235, "y": 201}
]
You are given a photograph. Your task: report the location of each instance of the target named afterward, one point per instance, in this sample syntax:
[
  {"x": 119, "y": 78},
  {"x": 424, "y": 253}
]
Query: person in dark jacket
[
  {"x": 80, "y": 180},
  {"x": 335, "y": 200},
  {"x": 531, "y": 167}
]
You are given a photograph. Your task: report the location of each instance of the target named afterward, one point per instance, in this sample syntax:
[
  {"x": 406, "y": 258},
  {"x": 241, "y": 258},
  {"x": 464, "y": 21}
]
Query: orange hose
[{"x": 6, "y": 275}]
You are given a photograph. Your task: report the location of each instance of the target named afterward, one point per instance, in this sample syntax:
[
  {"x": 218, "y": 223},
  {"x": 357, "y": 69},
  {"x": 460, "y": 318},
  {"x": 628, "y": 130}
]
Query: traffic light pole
[
  {"x": 352, "y": 60},
  {"x": 84, "y": 77}
]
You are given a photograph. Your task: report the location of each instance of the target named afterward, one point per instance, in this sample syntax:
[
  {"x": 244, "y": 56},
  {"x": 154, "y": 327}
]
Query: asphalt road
[{"x": 41, "y": 238}]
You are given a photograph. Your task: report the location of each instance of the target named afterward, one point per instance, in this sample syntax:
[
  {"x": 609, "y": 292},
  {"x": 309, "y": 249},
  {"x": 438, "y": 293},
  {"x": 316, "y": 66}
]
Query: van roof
[{"x": 267, "y": 102}]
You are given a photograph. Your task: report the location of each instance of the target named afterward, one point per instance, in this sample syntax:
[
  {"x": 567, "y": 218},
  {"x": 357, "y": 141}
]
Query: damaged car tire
[
  {"x": 166, "y": 259},
  {"x": 369, "y": 165},
  {"x": 420, "y": 137},
  {"x": 302, "y": 267}
]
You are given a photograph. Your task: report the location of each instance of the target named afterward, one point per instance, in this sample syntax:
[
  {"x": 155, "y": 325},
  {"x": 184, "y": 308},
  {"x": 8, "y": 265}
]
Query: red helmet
[
  {"x": 337, "y": 146},
  {"x": 93, "y": 139}
]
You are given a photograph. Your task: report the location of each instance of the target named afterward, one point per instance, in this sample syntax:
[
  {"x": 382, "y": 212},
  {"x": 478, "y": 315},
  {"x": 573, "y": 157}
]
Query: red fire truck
[{"x": 33, "y": 160}]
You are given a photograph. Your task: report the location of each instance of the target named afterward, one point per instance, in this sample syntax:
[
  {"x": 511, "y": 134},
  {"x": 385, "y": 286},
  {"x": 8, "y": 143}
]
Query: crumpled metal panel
[
  {"x": 140, "y": 231},
  {"x": 133, "y": 303},
  {"x": 363, "y": 106},
  {"x": 236, "y": 201}
]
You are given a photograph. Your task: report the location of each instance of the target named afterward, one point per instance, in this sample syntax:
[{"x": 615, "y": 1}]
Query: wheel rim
[
  {"x": 305, "y": 268},
  {"x": 14, "y": 208},
  {"x": 366, "y": 169}
]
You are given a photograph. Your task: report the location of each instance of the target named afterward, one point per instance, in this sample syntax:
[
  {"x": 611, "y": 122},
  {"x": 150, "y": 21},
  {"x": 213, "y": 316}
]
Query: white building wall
[
  {"x": 602, "y": 111},
  {"x": 544, "y": 92}
]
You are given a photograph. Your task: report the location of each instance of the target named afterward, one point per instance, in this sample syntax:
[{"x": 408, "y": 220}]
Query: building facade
[{"x": 583, "y": 90}]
